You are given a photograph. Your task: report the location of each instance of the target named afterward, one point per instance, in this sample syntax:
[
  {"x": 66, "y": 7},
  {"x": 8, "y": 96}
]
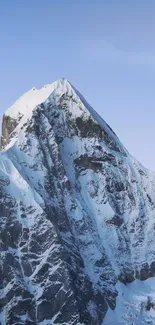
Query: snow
[
  {"x": 131, "y": 304},
  {"x": 101, "y": 122},
  {"x": 2, "y": 318},
  {"x": 18, "y": 186},
  {"x": 27, "y": 102}
]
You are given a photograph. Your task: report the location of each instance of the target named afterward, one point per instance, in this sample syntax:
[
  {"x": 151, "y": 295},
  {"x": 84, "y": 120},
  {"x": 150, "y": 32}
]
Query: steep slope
[{"x": 77, "y": 216}]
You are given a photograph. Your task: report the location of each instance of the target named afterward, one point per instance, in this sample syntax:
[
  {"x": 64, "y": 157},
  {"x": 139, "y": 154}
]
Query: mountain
[{"x": 77, "y": 223}]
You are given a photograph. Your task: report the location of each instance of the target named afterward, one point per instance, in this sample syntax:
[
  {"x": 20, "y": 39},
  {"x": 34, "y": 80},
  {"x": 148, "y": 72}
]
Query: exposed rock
[
  {"x": 8, "y": 126},
  {"x": 116, "y": 220}
]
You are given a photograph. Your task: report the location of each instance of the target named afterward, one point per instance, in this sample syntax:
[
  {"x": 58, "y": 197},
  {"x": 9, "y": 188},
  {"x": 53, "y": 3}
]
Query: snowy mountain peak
[
  {"x": 61, "y": 93},
  {"x": 28, "y": 101},
  {"x": 22, "y": 110},
  {"x": 77, "y": 221}
]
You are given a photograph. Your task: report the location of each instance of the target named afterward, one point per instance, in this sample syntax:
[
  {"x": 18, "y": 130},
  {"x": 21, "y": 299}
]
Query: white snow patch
[
  {"x": 30, "y": 99},
  {"x": 131, "y": 304}
]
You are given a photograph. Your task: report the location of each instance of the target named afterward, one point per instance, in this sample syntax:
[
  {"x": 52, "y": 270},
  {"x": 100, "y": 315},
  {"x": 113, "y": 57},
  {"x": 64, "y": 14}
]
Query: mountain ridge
[{"x": 79, "y": 217}]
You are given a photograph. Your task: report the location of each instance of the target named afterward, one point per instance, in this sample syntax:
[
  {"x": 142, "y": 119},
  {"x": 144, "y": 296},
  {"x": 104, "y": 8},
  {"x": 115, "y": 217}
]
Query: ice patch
[{"x": 132, "y": 304}]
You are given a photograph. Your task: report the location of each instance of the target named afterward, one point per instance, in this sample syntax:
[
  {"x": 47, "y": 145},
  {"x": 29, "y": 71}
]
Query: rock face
[
  {"x": 8, "y": 125},
  {"x": 77, "y": 212}
]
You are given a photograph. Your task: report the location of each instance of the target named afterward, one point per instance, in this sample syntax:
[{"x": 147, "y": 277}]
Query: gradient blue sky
[{"x": 105, "y": 48}]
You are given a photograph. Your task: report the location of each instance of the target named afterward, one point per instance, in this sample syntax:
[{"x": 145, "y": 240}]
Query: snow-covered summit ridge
[
  {"x": 29, "y": 100},
  {"x": 24, "y": 107}
]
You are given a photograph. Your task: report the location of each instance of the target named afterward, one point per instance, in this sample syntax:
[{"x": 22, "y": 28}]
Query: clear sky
[{"x": 105, "y": 48}]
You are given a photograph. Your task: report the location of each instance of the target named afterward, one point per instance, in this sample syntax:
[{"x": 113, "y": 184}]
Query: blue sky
[{"x": 105, "y": 48}]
